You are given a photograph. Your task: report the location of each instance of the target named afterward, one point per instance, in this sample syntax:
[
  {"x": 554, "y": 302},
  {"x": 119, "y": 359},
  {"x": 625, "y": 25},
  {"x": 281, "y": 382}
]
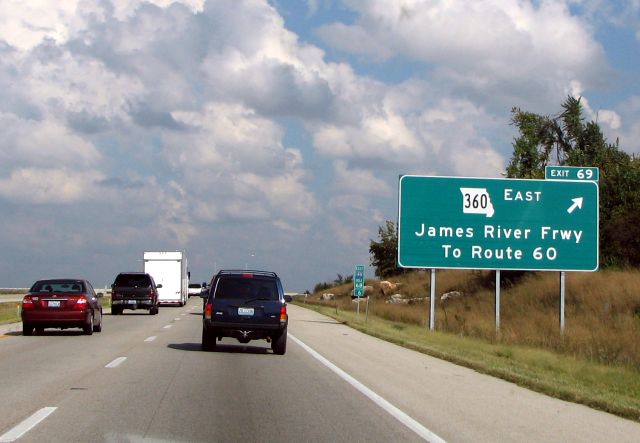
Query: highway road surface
[{"x": 144, "y": 378}]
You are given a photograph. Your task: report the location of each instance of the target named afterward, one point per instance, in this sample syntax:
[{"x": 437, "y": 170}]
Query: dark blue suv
[{"x": 246, "y": 305}]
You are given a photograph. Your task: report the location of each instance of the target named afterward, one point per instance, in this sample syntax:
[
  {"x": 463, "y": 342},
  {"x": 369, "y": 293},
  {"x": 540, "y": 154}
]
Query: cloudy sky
[{"x": 270, "y": 134}]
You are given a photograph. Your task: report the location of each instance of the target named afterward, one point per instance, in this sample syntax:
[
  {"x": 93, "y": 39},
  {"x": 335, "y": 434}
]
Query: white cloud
[
  {"x": 477, "y": 162},
  {"x": 46, "y": 143},
  {"x": 454, "y": 132},
  {"x": 235, "y": 158},
  {"x": 606, "y": 117},
  {"x": 358, "y": 181},
  {"x": 349, "y": 235},
  {"x": 229, "y": 133},
  {"x": 312, "y": 6},
  {"x": 418, "y": 131},
  {"x": 609, "y": 118},
  {"x": 352, "y": 219},
  {"x": 175, "y": 218},
  {"x": 383, "y": 136},
  {"x": 49, "y": 186},
  {"x": 26, "y": 24},
  {"x": 497, "y": 49},
  {"x": 283, "y": 195},
  {"x": 79, "y": 84},
  {"x": 629, "y": 132}
]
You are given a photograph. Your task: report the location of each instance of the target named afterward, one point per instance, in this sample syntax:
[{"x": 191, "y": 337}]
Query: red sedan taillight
[
  {"x": 27, "y": 302},
  {"x": 283, "y": 314},
  {"x": 81, "y": 303}
]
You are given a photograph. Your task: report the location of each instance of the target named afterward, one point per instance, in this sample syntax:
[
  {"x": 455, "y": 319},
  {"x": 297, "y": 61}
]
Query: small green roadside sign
[
  {"x": 581, "y": 173},
  {"x": 358, "y": 281},
  {"x": 484, "y": 223}
]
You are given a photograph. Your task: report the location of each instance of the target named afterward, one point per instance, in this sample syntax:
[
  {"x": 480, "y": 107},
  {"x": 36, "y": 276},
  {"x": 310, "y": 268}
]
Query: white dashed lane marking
[
  {"x": 27, "y": 425},
  {"x": 115, "y": 363}
]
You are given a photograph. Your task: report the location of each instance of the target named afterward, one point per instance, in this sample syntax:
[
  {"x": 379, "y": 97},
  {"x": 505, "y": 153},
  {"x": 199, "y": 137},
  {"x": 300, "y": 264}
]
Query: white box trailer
[{"x": 170, "y": 270}]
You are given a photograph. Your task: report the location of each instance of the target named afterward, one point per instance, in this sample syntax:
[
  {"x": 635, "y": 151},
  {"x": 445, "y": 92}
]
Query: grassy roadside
[
  {"x": 613, "y": 389},
  {"x": 9, "y": 312}
]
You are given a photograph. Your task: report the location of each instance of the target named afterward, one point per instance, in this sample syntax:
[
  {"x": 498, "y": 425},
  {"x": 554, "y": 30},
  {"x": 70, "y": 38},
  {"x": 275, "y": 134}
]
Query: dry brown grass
[{"x": 602, "y": 311}]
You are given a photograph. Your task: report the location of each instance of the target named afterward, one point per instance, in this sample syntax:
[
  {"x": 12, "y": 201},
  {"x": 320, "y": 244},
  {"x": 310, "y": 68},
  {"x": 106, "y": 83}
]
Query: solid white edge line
[
  {"x": 115, "y": 363},
  {"x": 152, "y": 338},
  {"x": 26, "y": 425},
  {"x": 399, "y": 415}
]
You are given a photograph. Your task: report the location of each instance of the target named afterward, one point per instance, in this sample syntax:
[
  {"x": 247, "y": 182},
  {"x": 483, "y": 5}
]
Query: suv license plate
[
  {"x": 131, "y": 302},
  {"x": 54, "y": 303},
  {"x": 245, "y": 311}
]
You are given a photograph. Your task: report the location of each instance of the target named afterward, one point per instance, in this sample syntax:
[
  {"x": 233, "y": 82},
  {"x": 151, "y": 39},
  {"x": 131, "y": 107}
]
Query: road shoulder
[{"x": 457, "y": 403}]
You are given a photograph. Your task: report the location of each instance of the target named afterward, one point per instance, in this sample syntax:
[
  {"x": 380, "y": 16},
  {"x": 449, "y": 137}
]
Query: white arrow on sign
[{"x": 577, "y": 203}]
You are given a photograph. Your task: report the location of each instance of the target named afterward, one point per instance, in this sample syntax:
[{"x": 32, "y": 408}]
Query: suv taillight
[
  {"x": 283, "y": 314},
  {"x": 208, "y": 309},
  {"x": 27, "y": 302},
  {"x": 81, "y": 303}
]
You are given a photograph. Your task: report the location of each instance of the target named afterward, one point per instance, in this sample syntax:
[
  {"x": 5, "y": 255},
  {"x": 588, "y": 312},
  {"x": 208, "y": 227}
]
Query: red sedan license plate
[{"x": 54, "y": 303}]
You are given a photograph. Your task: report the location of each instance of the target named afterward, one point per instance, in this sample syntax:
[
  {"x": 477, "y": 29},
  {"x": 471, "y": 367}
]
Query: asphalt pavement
[{"x": 144, "y": 378}]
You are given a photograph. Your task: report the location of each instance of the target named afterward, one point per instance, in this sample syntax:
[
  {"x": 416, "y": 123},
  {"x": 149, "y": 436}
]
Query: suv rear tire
[
  {"x": 279, "y": 345},
  {"x": 153, "y": 310},
  {"x": 208, "y": 341}
]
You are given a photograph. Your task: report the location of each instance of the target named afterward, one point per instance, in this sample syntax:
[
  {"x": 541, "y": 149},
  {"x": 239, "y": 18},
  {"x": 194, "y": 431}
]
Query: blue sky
[{"x": 271, "y": 134}]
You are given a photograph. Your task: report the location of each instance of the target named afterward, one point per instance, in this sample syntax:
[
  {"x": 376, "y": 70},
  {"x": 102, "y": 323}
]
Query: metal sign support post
[
  {"x": 358, "y": 309},
  {"x": 562, "y": 284},
  {"x": 432, "y": 301},
  {"x": 497, "y": 299},
  {"x": 366, "y": 314}
]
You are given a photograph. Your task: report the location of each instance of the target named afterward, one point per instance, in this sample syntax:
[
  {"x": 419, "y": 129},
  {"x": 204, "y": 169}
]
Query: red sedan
[{"x": 61, "y": 303}]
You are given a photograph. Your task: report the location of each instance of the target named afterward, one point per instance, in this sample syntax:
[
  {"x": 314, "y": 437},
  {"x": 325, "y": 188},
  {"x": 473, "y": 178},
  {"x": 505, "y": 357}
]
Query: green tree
[
  {"x": 566, "y": 139},
  {"x": 384, "y": 253}
]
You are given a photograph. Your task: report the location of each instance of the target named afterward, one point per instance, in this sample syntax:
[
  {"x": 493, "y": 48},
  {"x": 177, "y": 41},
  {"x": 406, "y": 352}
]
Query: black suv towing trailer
[{"x": 246, "y": 305}]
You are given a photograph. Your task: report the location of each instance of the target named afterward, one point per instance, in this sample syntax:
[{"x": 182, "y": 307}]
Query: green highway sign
[
  {"x": 571, "y": 173},
  {"x": 484, "y": 223},
  {"x": 358, "y": 281}
]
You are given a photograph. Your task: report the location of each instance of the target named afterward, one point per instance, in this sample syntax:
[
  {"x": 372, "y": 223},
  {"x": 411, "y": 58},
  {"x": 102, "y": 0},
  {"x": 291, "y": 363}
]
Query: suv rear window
[
  {"x": 246, "y": 288},
  {"x": 133, "y": 280}
]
